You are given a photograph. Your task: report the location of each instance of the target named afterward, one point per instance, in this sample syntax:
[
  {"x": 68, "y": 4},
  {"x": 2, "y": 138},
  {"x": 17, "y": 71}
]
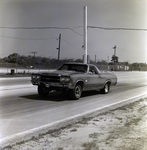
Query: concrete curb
[{"x": 28, "y": 135}]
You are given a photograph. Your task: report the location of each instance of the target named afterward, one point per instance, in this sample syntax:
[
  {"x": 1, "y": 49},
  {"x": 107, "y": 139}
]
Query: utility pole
[
  {"x": 85, "y": 34},
  {"x": 34, "y": 53},
  {"x": 108, "y": 59},
  {"x": 114, "y": 58},
  {"x": 59, "y": 46},
  {"x": 34, "y": 56},
  {"x": 115, "y": 50}
]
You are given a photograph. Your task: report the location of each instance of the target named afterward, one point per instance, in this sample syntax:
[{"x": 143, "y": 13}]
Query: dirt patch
[{"x": 124, "y": 128}]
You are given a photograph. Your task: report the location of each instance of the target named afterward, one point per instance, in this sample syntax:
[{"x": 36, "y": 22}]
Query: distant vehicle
[{"x": 73, "y": 78}]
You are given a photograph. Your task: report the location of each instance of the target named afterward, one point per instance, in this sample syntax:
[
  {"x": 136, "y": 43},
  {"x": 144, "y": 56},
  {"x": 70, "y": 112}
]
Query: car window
[
  {"x": 64, "y": 67},
  {"x": 79, "y": 68},
  {"x": 93, "y": 70},
  {"x": 74, "y": 67}
]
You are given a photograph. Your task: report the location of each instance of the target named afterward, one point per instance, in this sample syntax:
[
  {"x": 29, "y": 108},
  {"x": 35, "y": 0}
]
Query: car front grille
[{"x": 50, "y": 78}]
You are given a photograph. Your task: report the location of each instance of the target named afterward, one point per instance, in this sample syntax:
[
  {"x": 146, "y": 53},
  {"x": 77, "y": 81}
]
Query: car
[{"x": 73, "y": 78}]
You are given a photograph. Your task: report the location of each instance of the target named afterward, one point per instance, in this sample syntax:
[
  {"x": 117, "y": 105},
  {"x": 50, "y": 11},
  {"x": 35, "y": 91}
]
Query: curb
[{"x": 36, "y": 132}]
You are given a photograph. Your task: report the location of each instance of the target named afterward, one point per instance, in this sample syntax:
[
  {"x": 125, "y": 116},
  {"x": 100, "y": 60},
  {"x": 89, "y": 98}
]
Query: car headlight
[
  {"x": 35, "y": 76},
  {"x": 38, "y": 76},
  {"x": 65, "y": 79}
]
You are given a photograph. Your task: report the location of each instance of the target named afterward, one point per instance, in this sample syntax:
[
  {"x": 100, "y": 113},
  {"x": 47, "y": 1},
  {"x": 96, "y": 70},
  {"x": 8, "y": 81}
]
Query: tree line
[
  {"x": 49, "y": 63},
  {"x": 34, "y": 61}
]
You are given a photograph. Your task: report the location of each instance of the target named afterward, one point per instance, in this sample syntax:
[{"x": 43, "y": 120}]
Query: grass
[
  {"x": 134, "y": 121},
  {"x": 90, "y": 145},
  {"x": 94, "y": 135},
  {"x": 73, "y": 130}
]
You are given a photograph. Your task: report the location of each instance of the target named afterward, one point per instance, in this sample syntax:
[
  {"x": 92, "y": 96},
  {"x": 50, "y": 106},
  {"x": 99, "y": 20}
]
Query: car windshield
[{"x": 74, "y": 67}]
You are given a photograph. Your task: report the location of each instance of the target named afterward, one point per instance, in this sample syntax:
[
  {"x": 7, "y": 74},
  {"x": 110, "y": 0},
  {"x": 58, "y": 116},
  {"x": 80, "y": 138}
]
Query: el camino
[{"x": 73, "y": 78}]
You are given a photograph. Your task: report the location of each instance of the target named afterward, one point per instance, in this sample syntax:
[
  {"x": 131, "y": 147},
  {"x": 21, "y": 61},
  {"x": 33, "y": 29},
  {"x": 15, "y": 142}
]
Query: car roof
[{"x": 77, "y": 63}]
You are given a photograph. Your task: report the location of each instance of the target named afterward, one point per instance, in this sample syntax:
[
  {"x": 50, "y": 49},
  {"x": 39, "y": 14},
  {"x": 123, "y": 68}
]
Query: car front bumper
[{"x": 53, "y": 84}]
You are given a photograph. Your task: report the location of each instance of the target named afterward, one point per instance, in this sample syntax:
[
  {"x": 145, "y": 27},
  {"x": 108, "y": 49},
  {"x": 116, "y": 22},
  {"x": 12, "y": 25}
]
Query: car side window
[{"x": 93, "y": 70}]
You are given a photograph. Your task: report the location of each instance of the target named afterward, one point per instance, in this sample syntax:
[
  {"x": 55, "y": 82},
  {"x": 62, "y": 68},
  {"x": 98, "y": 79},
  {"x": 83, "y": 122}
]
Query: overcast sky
[{"x": 19, "y": 20}]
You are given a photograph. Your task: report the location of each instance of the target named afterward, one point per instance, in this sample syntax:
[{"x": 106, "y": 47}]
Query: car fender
[
  {"x": 107, "y": 81},
  {"x": 79, "y": 81}
]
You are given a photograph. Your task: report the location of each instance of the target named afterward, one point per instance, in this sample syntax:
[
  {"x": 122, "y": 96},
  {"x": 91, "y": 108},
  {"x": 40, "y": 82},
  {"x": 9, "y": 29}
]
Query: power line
[
  {"x": 27, "y": 38},
  {"x": 42, "y": 28},
  {"x": 30, "y": 28},
  {"x": 70, "y": 43},
  {"x": 108, "y": 28},
  {"x": 68, "y": 28}
]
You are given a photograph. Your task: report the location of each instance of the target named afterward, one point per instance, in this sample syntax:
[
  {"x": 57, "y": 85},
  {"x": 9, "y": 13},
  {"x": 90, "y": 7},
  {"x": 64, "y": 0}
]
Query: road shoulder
[{"x": 118, "y": 127}]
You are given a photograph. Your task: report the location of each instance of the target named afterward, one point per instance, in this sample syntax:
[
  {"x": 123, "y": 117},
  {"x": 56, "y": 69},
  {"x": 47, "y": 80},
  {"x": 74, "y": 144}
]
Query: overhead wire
[
  {"x": 42, "y": 28},
  {"x": 109, "y": 28},
  {"x": 68, "y": 28},
  {"x": 65, "y": 28},
  {"x": 70, "y": 44},
  {"x": 27, "y": 38}
]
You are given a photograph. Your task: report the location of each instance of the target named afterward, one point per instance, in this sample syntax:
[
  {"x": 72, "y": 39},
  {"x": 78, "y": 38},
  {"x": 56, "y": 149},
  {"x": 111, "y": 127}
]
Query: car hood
[{"x": 60, "y": 72}]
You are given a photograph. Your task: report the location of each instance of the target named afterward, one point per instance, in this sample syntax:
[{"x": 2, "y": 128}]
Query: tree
[
  {"x": 13, "y": 58},
  {"x": 1, "y": 60}
]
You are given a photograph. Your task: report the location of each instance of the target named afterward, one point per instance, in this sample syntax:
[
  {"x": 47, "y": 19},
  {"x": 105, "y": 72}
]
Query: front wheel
[
  {"x": 106, "y": 88},
  {"x": 42, "y": 90},
  {"x": 76, "y": 92}
]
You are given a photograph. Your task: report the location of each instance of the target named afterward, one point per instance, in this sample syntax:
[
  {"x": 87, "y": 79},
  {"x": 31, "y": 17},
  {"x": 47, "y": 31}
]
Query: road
[{"x": 22, "y": 109}]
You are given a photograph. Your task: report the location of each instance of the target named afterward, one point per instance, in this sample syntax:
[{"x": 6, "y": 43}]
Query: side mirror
[{"x": 92, "y": 71}]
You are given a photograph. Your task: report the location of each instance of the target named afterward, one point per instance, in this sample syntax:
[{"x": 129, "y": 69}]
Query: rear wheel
[
  {"x": 106, "y": 88},
  {"x": 76, "y": 92},
  {"x": 42, "y": 90}
]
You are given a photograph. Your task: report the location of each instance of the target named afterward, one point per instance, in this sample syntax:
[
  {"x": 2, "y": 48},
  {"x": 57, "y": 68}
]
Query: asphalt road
[{"x": 22, "y": 109}]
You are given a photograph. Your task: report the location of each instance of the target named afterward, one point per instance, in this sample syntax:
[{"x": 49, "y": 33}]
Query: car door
[{"x": 94, "y": 79}]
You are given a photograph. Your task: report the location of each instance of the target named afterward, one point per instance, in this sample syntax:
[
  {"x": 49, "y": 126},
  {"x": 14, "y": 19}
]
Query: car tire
[
  {"x": 106, "y": 88},
  {"x": 76, "y": 92},
  {"x": 42, "y": 90}
]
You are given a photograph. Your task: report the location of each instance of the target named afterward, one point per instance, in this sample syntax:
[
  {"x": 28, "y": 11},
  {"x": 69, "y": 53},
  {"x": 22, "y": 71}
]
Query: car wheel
[
  {"x": 106, "y": 89},
  {"x": 42, "y": 90},
  {"x": 76, "y": 92}
]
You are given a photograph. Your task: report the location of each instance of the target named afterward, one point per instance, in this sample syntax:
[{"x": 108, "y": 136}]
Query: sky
[{"x": 34, "y": 26}]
